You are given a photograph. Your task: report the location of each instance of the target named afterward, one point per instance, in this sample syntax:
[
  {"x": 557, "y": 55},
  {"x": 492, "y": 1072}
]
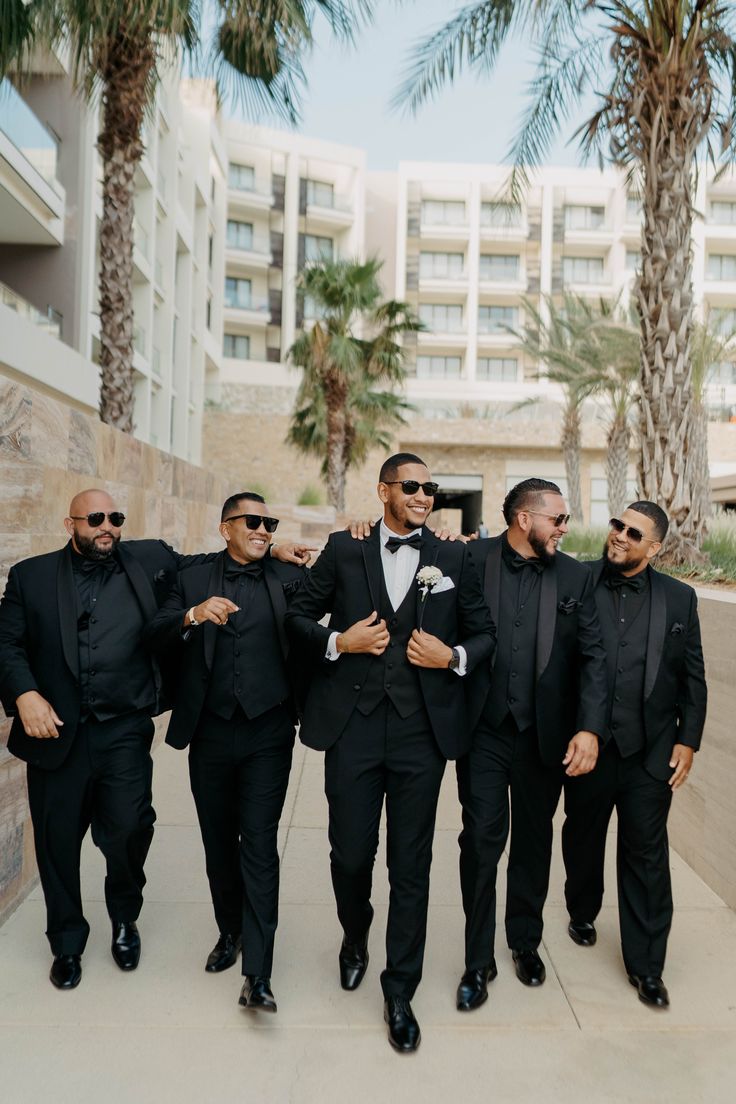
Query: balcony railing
[
  {"x": 141, "y": 239},
  {"x": 51, "y": 321},
  {"x": 260, "y": 306},
  {"x": 28, "y": 134}
]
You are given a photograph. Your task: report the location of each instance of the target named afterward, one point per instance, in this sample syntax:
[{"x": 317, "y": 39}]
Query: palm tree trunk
[
  {"x": 570, "y": 445},
  {"x": 126, "y": 77},
  {"x": 617, "y": 463},
  {"x": 335, "y": 401}
]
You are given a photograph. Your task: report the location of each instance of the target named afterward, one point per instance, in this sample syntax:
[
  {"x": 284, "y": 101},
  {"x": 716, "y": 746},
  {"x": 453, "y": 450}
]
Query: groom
[{"x": 387, "y": 705}]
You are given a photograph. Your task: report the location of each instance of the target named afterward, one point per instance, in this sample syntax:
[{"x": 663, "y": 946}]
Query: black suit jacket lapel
[
  {"x": 215, "y": 585},
  {"x": 139, "y": 581},
  {"x": 492, "y": 578},
  {"x": 428, "y": 554},
  {"x": 657, "y": 628},
  {"x": 278, "y": 602},
  {"x": 371, "y": 549},
  {"x": 547, "y": 617},
  {"x": 66, "y": 597}
]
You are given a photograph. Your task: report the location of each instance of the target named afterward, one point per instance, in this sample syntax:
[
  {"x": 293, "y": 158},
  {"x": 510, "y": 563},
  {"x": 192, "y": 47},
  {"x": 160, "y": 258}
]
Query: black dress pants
[
  {"x": 642, "y": 856},
  {"x": 239, "y": 772},
  {"x": 504, "y": 761},
  {"x": 105, "y": 782},
  {"x": 376, "y": 756}
]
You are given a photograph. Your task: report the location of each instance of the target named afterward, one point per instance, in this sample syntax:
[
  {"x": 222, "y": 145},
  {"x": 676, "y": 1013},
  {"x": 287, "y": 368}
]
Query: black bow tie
[
  {"x": 237, "y": 571},
  {"x": 414, "y": 541},
  {"x": 519, "y": 562},
  {"x": 615, "y": 581},
  {"x": 89, "y": 567}
]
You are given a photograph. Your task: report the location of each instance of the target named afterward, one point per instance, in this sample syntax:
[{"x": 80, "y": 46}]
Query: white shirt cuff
[
  {"x": 332, "y": 652},
  {"x": 462, "y": 668}
]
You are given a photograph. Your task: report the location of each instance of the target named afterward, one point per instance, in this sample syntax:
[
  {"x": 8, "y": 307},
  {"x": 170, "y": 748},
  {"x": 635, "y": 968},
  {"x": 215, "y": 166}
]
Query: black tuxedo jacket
[
  {"x": 195, "y": 654},
  {"x": 346, "y": 582},
  {"x": 675, "y": 693},
  {"x": 570, "y": 662},
  {"x": 39, "y": 646}
]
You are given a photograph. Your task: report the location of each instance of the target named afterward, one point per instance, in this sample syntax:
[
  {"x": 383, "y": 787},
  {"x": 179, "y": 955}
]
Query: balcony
[
  {"x": 49, "y": 322},
  {"x": 249, "y": 199},
  {"x": 586, "y": 226},
  {"x": 256, "y": 256},
  {"x": 255, "y": 313},
  {"x": 32, "y": 201}
]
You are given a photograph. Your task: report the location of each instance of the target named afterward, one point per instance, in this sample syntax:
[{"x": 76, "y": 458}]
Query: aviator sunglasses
[
  {"x": 411, "y": 486},
  {"x": 98, "y": 516},
  {"x": 635, "y": 535},
  {"x": 556, "y": 519},
  {"x": 253, "y": 521}
]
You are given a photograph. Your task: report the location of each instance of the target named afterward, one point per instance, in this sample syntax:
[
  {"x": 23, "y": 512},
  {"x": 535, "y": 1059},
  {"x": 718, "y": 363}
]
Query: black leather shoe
[
  {"x": 651, "y": 990},
  {"x": 256, "y": 994},
  {"x": 224, "y": 954},
  {"x": 582, "y": 933},
  {"x": 66, "y": 971},
  {"x": 126, "y": 945},
  {"x": 353, "y": 960},
  {"x": 403, "y": 1030},
  {"x": 472, "y": 991},
  {"x": 529, "y": 967}
]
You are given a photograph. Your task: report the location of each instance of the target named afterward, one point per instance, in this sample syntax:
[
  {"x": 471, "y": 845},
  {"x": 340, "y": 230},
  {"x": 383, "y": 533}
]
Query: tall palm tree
[
  {"x": 352, "y": 359},
  {"x": 118, "y": 49},
  {"x": 670, "y": 70}
]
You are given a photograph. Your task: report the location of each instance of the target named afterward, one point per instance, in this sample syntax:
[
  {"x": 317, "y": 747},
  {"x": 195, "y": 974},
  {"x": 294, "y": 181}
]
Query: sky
[{"x": 349, "y": 93}]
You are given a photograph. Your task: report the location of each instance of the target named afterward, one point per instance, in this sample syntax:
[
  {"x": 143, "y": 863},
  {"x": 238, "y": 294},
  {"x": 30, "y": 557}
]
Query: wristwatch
[
  {"x": 191, "y": 618},
  {"x": 455, "y": 660}
]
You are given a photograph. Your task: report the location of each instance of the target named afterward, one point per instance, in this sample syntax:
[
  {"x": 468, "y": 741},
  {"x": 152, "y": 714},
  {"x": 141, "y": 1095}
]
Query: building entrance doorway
[{"x": 458, "y": 503}]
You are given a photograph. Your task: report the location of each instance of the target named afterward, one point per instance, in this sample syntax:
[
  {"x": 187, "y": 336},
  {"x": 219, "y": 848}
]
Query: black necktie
[
  {"x": 414, "y": 541},
  {"x": 520, "y": 562},
  {"x": 616, "y": 581},
  {"x": 237, "y": 571}
]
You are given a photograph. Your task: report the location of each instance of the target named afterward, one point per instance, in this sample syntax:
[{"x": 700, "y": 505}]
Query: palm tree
[
  {"x": 709, "y": 345},
  {"x": 345, "y": 397},
  {"x": 670, "y": 70},
  {"x": 118, "y": 50}
]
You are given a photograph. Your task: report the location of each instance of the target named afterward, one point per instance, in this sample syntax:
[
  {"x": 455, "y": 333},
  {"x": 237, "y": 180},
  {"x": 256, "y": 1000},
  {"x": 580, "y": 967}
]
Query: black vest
[
  {"x": 513, "y": 680},
  {"x": 391, "y": 675},
  {"x": 626, "y": 656}
]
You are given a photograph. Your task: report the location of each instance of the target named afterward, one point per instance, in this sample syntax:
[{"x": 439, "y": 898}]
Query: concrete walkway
[{"x": 171, "y": 1032}]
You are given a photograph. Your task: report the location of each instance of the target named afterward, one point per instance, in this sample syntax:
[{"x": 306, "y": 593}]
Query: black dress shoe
[
  {"x": 126, "y": 945},
  {"x": 529, "y": 967},
  {"x": 403, "y": 1030},
  {"x": 66, "y": 971},
  {"x": 472, "y": 991},
  {"x": 353, "y": 960},
  {"x": 651, "y": 990},
  {"x": 224, "y": 954},
  {"x": 256, "y": 994},
  {"x": 582, "y": 933}
]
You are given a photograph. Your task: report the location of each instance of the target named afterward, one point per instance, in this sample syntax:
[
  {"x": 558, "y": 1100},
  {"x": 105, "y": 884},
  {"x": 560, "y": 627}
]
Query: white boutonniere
[{"x": 431, "y": 581}]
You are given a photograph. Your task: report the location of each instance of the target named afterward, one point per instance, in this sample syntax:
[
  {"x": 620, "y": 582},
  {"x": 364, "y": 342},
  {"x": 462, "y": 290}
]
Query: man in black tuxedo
[
  {"x": 540, "y": 720},
  {"x": 655, "y": 718},
  {"x": 233, "y": 708},
  {"x": 387, "y": 704}
]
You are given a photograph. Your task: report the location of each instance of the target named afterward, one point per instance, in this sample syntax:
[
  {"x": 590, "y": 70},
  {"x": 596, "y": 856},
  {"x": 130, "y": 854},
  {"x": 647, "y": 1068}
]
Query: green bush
[
  {"x": 584, "y": 544},
  {"x": 310, "y": 496}
]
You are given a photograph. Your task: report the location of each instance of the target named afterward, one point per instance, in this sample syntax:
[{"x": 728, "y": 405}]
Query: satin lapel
[
  {"x": 492, "y": 579},
  {"x": 139, "y": 582},
  {"x": 596, "y": 570},
  {"x": 278, "y": 602},
  {"x": 657, "y": 627},
  {"x": 547, "y": 618},
  {"x": 214, "y": 589},
  {"x": 371, "y": 549},
  {"x": 427, "y": 558},
  {"x": 66, "y": 598}
]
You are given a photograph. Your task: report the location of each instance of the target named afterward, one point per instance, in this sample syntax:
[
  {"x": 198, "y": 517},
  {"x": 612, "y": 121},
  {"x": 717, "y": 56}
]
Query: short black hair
[
  {"x": 231, "y": 503},
  {"x": 530, "y": 492},
  {"x": 655, "y": 513},
  {"x": 390, "y": 467}
]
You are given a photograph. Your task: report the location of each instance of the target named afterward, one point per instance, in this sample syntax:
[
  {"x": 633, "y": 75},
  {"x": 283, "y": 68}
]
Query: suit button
[
  {"x": 357, "y": 686},
  {"x": 238, "y": 635},
  {"x": 512, "y": 701},
  {"x": 92, "y": 673},
  {"x": 237, "y": 653},
  {"x": 614, "y": 725},
  {"x": 513, "y": 674},
  {"x": 515, "y": 648},
  {"x": 517, "y": 623},
  {"x": 389, "y": 665},
  {"x": 388, "y": 685},
  {"x": 237, "y": 674},
  {"x": 94, "y": 646},
  {"x": 93, "y": 620},
  {"x": 617, "y": 698},
  {"x": 624, "y": 643},
  {"x": 620, "y": 670},
  {"x": 391, "y": 644}
]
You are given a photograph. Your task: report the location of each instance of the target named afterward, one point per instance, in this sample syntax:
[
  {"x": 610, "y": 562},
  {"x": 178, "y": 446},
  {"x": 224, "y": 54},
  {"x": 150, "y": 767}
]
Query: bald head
[
  {"x": 90, "y": 524},
  {"x": 86, "y": 502}
]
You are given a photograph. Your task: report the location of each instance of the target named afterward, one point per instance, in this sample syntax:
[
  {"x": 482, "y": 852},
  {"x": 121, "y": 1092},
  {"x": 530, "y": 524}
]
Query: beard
[
  {"x": 540, "y": 550},
  {"x": 88, "y": 548},
  {"x": 404, "y": 522},
  {"x": 627, "y": 564}
]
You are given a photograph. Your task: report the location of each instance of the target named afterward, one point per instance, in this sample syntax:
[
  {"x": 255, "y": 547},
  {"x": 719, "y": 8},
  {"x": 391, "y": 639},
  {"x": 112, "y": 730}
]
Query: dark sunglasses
[
  {"x": 411, "y": 486},
  {"x": 556, "y": 519},
  {"x": 634, "y": 535},
  {"x": 254, "y": 521},
  {"x": 98, "y": 516}
]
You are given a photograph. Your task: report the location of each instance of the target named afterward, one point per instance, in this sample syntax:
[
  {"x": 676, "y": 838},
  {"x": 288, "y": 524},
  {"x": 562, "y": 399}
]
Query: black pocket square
[
  {"x": 677, "y": 628},
  {"x": 292, "y": 587},
  {"x": 568, "y": 605},
  {"x": 161, "y": 576}
]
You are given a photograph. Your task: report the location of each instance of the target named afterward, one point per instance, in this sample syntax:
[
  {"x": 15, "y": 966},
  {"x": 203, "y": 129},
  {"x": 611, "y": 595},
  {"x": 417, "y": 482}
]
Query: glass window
[
  {"x": 582, "y": 270},
  {"x": 500, "y": 214},
  {"x": 722, "y": 266},
  {"x": 317, "y": 248},
  {"x": 442, "y": 317},
  {"x": 584, "y": 218},
  {"x": 241, "y": 177},
  {"x": 499, "y": 268},
  {"x": 441, "y": 266},
  {"x": 320, "y": 194},
  {"x": 439, "y": 367},
  {"x": 497, "y": 368},
  {"x": 722, "y": 372},
  {"x": 443, "y": 212},
  {"x": 239, "y": 234},
  {"x": 633, "y": 257},
  {"x": 633, "y": 208},
  {"x": 238, "y": 293},
  {"x": 497, "y": 319},
  {"x": 236, "y": 346},
  {"x": 723, "y": 211},
  {"x": 724, "y": 320}
]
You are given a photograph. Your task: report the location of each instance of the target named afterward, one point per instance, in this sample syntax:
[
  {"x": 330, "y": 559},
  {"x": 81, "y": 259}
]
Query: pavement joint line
[
  {"x": 290, "y": 825},
  {"x": 561, "y": 985}
]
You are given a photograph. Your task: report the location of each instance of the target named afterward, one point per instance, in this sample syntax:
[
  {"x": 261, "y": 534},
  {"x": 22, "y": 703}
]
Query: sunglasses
[
  {"x": 98, "y": 516},
  {"x": 634, "y": 535},
  {"x": 411, "y": 486},
  {"x": 556, "y": 519},
  {"x": 254, "y": 521}
]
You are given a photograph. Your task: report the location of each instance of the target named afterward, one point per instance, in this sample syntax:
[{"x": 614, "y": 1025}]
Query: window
[
  {"x": 633, "y": 208},
  {"x": 239, "y": 234},
  {"x": 584, "y": 218},
  {"x": 439, "y": 367},
  {"x": 633, "y": 257},
  {"x": 241, "y": 177},
  {"x": 236, "y": 346},
  {"x": 723, "y": 211},
  {"x": 722, "y": 372},
  {"x": 582, "y": 270},
  {"x": 724, "y": 320},
  {"x": 317, "y": 248},
  {"x": 238, "y": 293},
  {"x": 210, "y": 249},
  {"x": 497, "y": 368},
  {"x": 497, "y": 319},
  {"x": 722, "y": 266},
  {"x": 441, "y": 266},
  {"x": 320, "y": 194},
  {"x": 441, "y": 317},
  {"x": 498, "y": 268},
  {"x": 208, "y": 315},
  {"x": 599, "y": 512},
  {"x": 500, "y": 214},
  {"x": 443, "y": 212}
]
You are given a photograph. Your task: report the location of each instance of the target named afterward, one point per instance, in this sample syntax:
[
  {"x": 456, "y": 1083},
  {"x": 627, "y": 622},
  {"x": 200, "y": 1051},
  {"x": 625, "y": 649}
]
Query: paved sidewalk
[{"x": 171, "y": 1032}]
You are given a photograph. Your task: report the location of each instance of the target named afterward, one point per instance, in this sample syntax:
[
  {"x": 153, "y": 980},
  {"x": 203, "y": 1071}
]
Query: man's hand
[
  {"x": 289, "y": 552},
  {"x": 367, "y": 636},
  {"x": 37, "y": 716},
  {"x": 360, "y": 530},
  {"x": 216, "y": 610},
  {"x": 682, "y": 760},
  {"x": 425, "y": 650},
  {"x": 582, "y": 754}
]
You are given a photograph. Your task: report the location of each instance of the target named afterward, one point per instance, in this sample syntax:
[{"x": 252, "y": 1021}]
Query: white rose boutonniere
[{"x": 431, "y": 581}]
